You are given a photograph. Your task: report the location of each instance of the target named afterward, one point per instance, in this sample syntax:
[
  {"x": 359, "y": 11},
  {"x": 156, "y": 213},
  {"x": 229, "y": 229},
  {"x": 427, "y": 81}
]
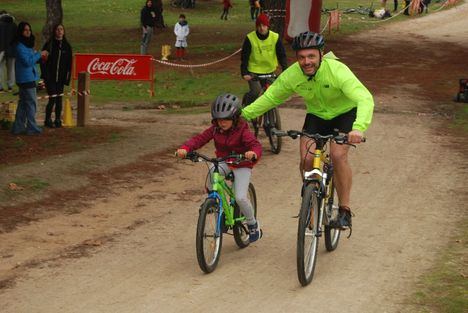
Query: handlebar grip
[{"x": 279, "y": 133}]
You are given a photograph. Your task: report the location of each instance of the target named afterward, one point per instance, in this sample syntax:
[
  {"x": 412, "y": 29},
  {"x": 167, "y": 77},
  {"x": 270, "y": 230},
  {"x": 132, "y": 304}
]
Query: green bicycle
[{"x": 220, "y": 213}]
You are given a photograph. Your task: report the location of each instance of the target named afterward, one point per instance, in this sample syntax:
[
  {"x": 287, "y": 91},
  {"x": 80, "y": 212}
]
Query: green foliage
[
  {"x": 461, "y": 118},
  {"x": 32, "y": 183},
  {"x": 113, "y": 27},
  {"x": 445, "y": 287}
]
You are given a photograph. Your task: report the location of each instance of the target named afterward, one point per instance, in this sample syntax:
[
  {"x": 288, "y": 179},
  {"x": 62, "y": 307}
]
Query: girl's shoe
[{"x": 255, "y": 232}]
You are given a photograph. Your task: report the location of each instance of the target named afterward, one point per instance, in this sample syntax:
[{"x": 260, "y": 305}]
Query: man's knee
[{"x": 339, "y": 155}]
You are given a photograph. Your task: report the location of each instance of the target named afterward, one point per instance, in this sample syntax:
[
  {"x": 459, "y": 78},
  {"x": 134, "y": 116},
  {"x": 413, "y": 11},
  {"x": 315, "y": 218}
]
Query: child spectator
[
  {"x": 226, "y": 6},
  {"x": 181, "y": 30}
]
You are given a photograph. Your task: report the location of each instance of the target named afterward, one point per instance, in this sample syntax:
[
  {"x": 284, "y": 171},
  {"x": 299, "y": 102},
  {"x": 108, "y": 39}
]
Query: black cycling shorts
[{"x": 342, "y": 123}]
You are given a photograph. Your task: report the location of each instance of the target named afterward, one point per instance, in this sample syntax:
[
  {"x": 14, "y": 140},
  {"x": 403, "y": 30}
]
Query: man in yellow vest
[{"x": 261, "y": 52}]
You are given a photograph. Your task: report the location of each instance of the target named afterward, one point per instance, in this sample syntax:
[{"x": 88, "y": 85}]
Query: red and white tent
[{"x": 301, "y": 16}]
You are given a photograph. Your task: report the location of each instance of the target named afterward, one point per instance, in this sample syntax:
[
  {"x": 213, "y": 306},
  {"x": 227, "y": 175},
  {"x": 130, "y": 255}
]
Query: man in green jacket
[{"x": 334, "y": 98}]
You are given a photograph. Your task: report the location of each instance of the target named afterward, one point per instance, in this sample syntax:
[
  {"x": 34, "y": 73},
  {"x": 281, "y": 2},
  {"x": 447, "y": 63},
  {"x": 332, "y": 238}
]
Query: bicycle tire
[
  {"x": 274, "y": 121},
  {"x": 332, "y": 234},
  {"x": 208, "y": 261},
  {"x": 240, "y": 230},
  {"x": 307, "y": 228}
]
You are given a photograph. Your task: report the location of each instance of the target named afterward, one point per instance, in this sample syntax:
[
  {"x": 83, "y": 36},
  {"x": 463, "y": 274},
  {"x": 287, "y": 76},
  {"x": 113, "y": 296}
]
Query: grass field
[{"x": 113, "y": 27}]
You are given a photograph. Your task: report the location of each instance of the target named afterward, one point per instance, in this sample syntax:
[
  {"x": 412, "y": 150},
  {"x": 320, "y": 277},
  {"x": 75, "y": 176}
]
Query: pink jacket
[
  {"x": 227, "y": 4},
  {"x": 238, "y": 139}
]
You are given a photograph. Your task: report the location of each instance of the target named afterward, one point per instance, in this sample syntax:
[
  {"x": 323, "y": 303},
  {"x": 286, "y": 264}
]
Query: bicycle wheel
[
  {"x": 332, "y": 234},
  {"x": 273, "y": 121},
  {"x": 209, "y": 240},
  {"x": 307, "y": 240},
  {"x": 241, "y": 232}
]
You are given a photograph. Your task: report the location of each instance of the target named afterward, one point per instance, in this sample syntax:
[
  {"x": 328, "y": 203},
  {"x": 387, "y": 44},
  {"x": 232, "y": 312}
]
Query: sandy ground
[{"x": 133, "y": 249}]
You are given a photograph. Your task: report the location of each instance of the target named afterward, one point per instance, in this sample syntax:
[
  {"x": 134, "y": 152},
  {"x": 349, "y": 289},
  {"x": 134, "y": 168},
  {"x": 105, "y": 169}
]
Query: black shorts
[{"x": 342, "y": 123}]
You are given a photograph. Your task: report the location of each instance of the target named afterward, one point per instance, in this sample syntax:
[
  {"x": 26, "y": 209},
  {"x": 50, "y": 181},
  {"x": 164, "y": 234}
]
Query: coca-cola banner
[{"x": 114, "y": 66}]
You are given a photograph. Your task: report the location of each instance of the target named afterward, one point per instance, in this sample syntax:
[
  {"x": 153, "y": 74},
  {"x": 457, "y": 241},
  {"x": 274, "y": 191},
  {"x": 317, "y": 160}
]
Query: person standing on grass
[
  {"x": 181, "y": 30},
  {"x": 56, "y": 72},
  {"x": 158, "y": 8},
  {"x": 226, "y": 6},
  {"x": 26, "y": 77},
  {"x": 147, "y": 18},
  {"x": 7, "y": 50},
  {"x": 254, "y": 9}
]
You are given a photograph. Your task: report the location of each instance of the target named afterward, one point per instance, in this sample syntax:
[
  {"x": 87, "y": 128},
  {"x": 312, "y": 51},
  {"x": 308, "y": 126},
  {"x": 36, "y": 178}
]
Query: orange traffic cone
[{"x": 68, "y": 115}]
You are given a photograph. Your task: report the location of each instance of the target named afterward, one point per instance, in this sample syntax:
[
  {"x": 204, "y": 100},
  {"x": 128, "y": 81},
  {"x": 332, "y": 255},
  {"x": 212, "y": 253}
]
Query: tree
[
  {"x": 276, "y": 9},
  {"x": 54, "y": 17}
]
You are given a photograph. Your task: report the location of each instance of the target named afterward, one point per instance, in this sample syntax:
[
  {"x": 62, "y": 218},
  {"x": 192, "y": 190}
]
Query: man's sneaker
[
  {"x": 255, "y": 232},
  {"x": 344, "y": 217}
]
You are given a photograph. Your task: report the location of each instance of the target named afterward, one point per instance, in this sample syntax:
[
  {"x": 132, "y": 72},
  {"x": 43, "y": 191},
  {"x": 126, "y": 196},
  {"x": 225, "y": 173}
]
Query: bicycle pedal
[{"x": 295, "y": 216}]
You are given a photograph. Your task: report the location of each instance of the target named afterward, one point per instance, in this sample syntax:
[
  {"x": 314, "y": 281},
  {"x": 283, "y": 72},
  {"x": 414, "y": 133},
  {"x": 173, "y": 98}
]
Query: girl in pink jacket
[{"x": 231, "y": 135}]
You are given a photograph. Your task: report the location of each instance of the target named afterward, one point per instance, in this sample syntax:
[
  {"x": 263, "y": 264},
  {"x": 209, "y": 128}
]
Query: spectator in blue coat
[{"x": 26, "y": 77}]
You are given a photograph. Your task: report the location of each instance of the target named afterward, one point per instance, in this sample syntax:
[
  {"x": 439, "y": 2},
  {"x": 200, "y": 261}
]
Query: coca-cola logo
[{"x": 120, "y": 66}]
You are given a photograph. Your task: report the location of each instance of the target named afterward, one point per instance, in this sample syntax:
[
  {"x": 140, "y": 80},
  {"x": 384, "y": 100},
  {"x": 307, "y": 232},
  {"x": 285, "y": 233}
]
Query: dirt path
[{"x": 133, "y": 250}]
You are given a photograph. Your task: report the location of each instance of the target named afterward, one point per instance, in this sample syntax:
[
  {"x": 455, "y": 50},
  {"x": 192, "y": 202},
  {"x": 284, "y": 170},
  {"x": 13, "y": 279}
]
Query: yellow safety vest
[{"x": 263, "y": 59}]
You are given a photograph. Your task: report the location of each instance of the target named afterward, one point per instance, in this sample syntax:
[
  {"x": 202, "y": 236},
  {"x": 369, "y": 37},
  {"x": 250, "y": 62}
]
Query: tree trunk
[
  {"x": 54, "y": 17},
  {"x": 276, "y": 9}
]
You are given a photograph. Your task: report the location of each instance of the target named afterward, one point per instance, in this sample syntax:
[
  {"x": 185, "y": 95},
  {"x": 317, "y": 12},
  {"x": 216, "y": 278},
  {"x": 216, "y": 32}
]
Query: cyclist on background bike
[
  {"x": 262, "y": 50},
  {"x": 231, "y": 135},
  {"x": 334, "y": 98}
]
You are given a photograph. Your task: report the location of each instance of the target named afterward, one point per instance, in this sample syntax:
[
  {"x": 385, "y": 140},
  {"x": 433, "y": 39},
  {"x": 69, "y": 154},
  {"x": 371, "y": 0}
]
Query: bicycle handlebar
[
  {"x": 195, "y": 157},
  {"x": 339, "y": 139},
  {"x": 262, "y": 76}
]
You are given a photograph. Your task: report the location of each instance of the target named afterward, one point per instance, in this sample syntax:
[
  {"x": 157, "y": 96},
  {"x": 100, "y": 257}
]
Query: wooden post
[{"x": 83, "y": 99}]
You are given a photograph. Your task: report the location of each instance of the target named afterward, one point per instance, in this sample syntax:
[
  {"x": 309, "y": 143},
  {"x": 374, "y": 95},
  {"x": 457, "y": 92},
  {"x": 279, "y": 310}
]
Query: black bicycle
[{"x": 270, "y": 120}]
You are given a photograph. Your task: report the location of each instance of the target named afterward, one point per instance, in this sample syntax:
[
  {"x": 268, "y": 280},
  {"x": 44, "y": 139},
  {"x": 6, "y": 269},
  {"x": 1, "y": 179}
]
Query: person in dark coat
[
  {"x": 56, "y": 72},
  {"x": 147, "y": 19},
  {"x": 26, "y": 77},
  {"x": 7, "y": 49},
  {"x": 158, "y": 9}
]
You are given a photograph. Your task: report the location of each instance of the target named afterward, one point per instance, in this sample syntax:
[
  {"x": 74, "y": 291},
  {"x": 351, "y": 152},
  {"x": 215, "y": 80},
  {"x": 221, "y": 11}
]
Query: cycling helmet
[
  {"x": 226, "y": 106},
  {"x": 308, "y": 40}
]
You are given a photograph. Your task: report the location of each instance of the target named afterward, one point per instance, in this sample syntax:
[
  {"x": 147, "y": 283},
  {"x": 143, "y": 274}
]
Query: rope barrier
[
  {"x": 71, "y": 93},
  {"x": 395, "y": 15},
  {"x": 326, "y": 24},
  {"x": 197, "y": 65},
  {"x": 413, "y": 5}
]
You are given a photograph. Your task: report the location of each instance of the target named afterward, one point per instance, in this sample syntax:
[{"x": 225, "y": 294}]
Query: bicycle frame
[
  {"x": 219, "y": 192},
  {"x": 320, "y": 176}
]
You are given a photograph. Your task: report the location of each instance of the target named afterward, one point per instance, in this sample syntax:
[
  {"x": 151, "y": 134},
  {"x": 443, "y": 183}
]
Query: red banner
[
  {"x": 301, "y": 16},
  {"x": 334, "y": 21},
  {"x": 114, "y": 66}
]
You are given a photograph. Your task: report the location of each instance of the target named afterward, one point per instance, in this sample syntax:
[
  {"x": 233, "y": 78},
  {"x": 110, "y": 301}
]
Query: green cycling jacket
[{"x": 334, "y": 90}]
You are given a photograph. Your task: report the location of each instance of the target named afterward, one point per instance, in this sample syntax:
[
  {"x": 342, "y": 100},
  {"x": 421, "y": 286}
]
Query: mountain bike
[
  {"x": 319, "y": 207},
  {"x": 220, "y": 213},
  {"x": 269, "y": 120}
]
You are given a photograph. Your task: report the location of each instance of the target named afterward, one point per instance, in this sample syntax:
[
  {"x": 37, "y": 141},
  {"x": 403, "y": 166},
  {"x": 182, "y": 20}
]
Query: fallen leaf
[
  {"x": 91, "y": 242},
  {"x": 15, "y": 187}
]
